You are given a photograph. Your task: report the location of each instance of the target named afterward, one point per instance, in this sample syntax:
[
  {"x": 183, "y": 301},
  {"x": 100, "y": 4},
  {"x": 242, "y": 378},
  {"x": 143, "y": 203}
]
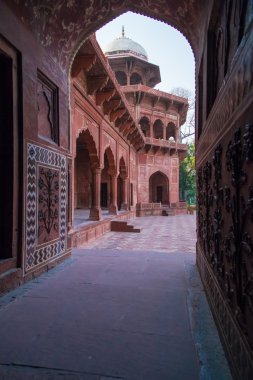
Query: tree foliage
[
  {"x": 187, "y": 176},
  {"x": 187, "y": 130}
]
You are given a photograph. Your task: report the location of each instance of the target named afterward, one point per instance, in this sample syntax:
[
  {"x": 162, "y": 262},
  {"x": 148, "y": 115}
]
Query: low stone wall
[
  {"x": 146, "y": 209},
  {"x": 157, "y": 209},
  {"x": 84, "y": 234}
]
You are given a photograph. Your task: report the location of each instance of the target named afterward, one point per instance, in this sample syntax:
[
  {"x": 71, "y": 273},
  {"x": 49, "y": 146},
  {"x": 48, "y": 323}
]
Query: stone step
[{"x": 122, "y": 226}]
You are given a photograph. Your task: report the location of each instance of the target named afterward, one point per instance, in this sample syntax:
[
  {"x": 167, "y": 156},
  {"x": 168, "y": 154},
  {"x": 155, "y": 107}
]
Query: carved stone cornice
[
  {"x": 125, "y": 126},
  {"x": 96, "y": 83},
  {"x": 117, "y": 114},
  {"x": 102, "y": 96},
  {"x": 83, "y": 62},
  {"x": 111, "y": 105}
]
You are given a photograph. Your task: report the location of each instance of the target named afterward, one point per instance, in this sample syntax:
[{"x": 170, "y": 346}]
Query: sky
[{"x": 165, "y": 46}]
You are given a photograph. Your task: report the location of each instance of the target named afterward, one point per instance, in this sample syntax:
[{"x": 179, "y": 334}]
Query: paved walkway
[
  {"x": 115, "y": 313},
  {"x": 159, "y": 233}
]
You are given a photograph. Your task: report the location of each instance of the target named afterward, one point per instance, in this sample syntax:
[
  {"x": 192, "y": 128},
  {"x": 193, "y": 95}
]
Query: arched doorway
[
  {"x": 122, "y": 195},
  {"x": 85, "y": 169},
  {"x": 159, "y": 188},
  {"x": 109, "y": 182},
  {"x": 105, "y": 184}
]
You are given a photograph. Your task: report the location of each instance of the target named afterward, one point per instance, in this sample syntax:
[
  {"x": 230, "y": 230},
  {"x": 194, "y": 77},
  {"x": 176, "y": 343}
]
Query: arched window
[
  {"x": 135, "y": 79},
  {"x": 121, "y": 78},
  {"x": 171, "y": 132},
  {"x": 145, "y": 126},
  {"x": 158, "y": 129}
]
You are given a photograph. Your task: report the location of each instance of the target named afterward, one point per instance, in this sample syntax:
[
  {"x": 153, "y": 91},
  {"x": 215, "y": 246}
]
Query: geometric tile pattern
[
  {"x": 39, "y": 254},
  {"x": 158, "y": 233}
]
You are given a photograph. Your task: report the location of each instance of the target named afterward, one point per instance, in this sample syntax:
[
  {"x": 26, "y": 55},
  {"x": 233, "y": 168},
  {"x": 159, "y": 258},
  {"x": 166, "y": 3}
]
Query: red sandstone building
[
  {"x": 61, "y": 110},
  {"x": 125, "y": 133}
]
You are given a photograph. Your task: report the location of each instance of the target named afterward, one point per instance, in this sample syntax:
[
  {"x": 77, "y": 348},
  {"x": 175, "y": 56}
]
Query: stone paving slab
[
  {"x": 160, "y": 233},
  {"x": 112, "y": 314}
]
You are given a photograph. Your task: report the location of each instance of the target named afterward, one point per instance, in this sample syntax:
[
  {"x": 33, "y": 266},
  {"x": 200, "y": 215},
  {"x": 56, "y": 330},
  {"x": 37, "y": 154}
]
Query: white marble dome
[{"x": 124, "y": 45}]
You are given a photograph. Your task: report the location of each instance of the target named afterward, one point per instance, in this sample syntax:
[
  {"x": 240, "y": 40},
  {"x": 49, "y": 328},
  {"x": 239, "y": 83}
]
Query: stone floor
[
  {"x": 81, "y": 217},
  {"x": 125, "y": 307},
  {"x": 159, "y": 233}
]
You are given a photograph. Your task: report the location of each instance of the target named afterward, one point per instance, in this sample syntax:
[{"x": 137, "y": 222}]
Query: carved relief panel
[
  {"x": 225, "y": 222},
  {"x": 46, "y": 205},
  {"x": 228, "y": 24}
]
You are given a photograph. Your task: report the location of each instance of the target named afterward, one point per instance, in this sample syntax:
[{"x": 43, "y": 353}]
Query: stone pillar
[
  {"x": 124, "y": 205},
  {"x": 95, "y": 211},
  {"x": 113, "y": 207},
  {"x": 164, "y": 132},
  {"x": 151, "y": 129}
]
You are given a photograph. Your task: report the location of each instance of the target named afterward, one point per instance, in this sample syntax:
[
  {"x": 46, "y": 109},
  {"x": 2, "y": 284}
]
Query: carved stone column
[
  {"x": 164, "y": 132},
  {"x": 113, "y": 207},
  {"x": 124, "y": 205},
  {"x": 95, "y": 211}
]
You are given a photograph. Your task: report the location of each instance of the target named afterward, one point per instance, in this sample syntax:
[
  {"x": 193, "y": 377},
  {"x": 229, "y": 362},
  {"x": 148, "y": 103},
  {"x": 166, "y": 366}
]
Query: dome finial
[{"x": 123, "y": 31}]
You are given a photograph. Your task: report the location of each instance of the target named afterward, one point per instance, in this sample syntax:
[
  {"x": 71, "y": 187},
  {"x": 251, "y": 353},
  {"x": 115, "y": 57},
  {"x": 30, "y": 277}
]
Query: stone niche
[{"x": 47, "y": 102}]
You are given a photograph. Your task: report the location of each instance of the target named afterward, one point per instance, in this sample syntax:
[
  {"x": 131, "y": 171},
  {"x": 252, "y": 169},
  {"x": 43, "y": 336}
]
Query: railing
[
  {"x": 160, "y": 142},
  {"x": 149, "y": 206},
  {"x": 143, "y": 88},
  {"x": 165, "y": 143}
]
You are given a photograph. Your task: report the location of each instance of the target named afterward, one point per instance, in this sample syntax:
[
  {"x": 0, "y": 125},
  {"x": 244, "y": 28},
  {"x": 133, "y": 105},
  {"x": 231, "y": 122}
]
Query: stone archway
[
  {"x": 86, "y": 164},
  {"x": 171, "y": 132},
  {"x": 159, "y": 188},
  {"x": 122, "y": 195},
  {"x": 109, "y": 177},
  {"x": 158, "y": 129},
  {"x": 145, "y": 126}
]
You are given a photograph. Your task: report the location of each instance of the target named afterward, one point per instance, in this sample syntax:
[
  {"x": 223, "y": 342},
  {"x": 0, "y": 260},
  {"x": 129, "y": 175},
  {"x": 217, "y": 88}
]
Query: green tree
[{"x": 187, "y": 176}]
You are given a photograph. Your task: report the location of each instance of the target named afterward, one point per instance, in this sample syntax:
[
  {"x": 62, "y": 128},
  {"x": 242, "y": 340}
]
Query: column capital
[
  {"x": 113, "y": 173},
  {"x": 124, "y": 176},
  {"x": 96, "y": 169}
]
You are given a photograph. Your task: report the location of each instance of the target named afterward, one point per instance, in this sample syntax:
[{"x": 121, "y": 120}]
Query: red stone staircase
[{"x": 122, "y": 226}]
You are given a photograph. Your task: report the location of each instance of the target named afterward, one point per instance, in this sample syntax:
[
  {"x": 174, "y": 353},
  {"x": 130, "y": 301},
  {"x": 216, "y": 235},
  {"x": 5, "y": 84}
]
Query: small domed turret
[{"x": 125, "y": 46}]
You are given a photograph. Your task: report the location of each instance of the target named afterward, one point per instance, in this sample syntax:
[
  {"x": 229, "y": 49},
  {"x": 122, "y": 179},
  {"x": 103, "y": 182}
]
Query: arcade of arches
[{"x": 69, "y": 140}]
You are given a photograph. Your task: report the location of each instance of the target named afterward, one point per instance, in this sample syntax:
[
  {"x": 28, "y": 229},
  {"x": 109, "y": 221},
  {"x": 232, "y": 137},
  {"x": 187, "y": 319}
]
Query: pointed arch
[
  {"x": 159, "y": 188},
  {"x": 136, "y": 78},
  {"x": 111, "y": 159},
  {"x": 145, "y": 126},
  {"x": 158, "y": 129},
  {"x": 186, "y": 17},
  {"x": 171, "y": 131},
  {"x": 85, "y": 138},
  {"x": 122, "y": 167}
]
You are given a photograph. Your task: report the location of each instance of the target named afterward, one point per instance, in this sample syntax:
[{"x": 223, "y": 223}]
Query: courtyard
[{"x": 127, "y": 306}]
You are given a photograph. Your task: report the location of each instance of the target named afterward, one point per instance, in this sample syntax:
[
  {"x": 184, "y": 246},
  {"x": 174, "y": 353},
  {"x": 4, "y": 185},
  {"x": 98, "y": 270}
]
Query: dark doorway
[
  {"x": 131, "y": 194},
  {"x": 159, "y": 188},
  {"x": 159, "y": 194},
  {"x": 120, "y": 187},
  {"x": 104, "y": 195},
  {"x": 6, "y": 155}
]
